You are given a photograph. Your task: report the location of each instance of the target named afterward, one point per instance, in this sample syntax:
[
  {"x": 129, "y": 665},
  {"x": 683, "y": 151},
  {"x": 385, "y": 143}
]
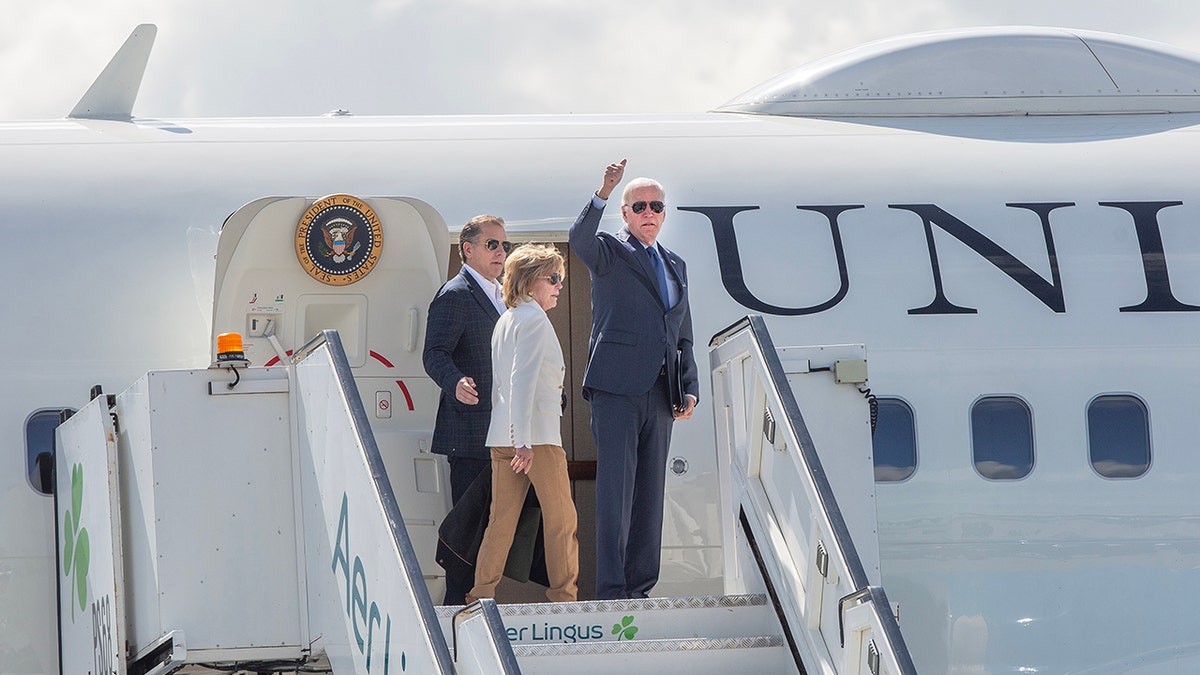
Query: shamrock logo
[
  {"x": 625, "y": 629},
  {"x": 76, "y": 550}
]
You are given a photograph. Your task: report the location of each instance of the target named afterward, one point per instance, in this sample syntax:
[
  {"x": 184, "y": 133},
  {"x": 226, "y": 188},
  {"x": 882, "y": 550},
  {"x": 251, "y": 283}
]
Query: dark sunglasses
[
  {"x": 556, "y": 278},
  {"x": 655, "y": 206},
  {"x": 491, "y": 245}
]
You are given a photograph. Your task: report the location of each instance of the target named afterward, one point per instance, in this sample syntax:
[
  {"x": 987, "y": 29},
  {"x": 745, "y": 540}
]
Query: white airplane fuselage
[{"x": 113, "y": 227}]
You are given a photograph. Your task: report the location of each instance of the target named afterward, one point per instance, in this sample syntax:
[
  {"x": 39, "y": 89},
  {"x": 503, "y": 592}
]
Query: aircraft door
[{"x": 289, "y": 267}]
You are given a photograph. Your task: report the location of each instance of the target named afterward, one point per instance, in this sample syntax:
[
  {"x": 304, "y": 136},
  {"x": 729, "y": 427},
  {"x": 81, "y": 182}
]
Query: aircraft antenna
[{"x": 112, "y": 95}]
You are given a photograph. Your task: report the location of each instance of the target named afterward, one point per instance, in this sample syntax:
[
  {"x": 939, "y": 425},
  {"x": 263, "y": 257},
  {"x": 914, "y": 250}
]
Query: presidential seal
[{"x": 338, "y": 240}]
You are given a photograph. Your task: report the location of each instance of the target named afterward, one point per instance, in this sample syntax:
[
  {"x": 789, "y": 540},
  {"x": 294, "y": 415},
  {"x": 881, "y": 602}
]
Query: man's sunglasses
[
  {"x": 556, "y": 278},
  {"x": 491, "y": 245},
  {"x": 655, "y": 206}
]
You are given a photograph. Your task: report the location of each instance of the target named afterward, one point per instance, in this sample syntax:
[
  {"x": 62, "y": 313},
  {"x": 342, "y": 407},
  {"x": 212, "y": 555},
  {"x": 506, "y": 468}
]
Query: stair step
[
  {"x": 682, "y": 602},
  {"x": 749, "y": 654},
  {"x": 652, "y": 645},
  {"x": 704, "y": 617}
]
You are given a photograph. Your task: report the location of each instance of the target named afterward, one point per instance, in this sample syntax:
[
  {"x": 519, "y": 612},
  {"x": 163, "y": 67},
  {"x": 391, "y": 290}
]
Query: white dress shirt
[{"x": 492, "y": 288}]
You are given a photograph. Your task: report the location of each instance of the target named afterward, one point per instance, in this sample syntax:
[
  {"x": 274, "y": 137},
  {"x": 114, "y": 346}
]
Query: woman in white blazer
[{"x": 524, "y": 437}]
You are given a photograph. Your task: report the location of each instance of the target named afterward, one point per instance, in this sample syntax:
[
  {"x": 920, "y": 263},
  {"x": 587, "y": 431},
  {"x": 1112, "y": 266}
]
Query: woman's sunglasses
[{"x": 556, "y": 278}]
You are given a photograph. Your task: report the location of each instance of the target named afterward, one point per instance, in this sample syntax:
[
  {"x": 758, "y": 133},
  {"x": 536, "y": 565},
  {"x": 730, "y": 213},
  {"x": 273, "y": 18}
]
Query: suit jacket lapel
[
  {"x": 673, "y": 265},
  {"x": 480, "y": 295},
  {"x": 638, "y": 259}
]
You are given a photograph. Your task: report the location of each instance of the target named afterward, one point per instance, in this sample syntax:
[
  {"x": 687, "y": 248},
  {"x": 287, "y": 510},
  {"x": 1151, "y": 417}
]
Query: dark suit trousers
[
  {"x": 633, "y": 435},
  {"x": 463, "y": 471}
]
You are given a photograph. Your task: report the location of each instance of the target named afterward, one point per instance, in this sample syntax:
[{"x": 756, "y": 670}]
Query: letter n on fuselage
[{"x": 1049, "y": 292}]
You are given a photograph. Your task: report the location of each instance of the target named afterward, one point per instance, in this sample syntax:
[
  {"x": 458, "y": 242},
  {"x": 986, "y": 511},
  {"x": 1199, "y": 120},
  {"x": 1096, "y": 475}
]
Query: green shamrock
[
  {"x": 625, "y": 629},
  {"x": 76, "y": 550}
]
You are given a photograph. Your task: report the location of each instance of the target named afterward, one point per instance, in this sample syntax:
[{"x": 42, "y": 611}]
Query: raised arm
[
  {"x": 583, "y": 232},
  {"x": 612, "y": 178}
]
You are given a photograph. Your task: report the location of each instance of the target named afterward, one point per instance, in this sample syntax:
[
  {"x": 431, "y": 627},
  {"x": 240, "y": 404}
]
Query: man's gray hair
[{"x": 641, "y": 183}]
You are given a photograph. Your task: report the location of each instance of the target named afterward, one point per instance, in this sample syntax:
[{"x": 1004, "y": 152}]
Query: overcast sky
[{"x": 375, "y": 57}]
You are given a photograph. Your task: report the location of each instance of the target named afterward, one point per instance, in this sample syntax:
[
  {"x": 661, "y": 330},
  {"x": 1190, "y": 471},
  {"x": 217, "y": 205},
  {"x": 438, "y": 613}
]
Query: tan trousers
[{"x": 548, "y": 474}]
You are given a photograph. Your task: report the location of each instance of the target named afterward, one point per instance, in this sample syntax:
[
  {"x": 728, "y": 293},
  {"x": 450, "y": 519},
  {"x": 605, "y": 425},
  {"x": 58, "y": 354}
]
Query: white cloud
[{"x": 305, "y": 57}]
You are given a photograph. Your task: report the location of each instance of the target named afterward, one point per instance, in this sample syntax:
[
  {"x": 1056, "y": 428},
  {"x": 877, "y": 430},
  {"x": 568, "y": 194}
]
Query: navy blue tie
[{"x": 656, "y": 263}]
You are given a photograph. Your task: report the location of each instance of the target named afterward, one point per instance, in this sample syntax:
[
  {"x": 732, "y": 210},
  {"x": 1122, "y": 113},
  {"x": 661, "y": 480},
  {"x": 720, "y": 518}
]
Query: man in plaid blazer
[{"x": 458, "y": 357}]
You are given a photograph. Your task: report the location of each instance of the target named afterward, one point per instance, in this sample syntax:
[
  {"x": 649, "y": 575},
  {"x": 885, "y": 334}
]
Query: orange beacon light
[{"x": 229, "y": 347}]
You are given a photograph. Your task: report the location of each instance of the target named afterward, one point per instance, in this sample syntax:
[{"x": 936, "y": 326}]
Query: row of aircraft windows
[
  {"x": 1001, "y": 439},
  {"x": 1118, "y": 432}
]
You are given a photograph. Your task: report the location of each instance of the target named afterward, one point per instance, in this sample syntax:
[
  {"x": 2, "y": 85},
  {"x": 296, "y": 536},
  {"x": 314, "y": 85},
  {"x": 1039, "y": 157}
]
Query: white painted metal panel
[
  {"x": 838, "y": 420},
  {"x": 140, "y": 542},
  {"x": 91, "y": 612},
  {"x": 213, "y": 548}
]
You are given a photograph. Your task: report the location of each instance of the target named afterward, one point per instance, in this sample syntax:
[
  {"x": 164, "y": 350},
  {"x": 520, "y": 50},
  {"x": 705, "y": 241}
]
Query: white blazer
[{"x": 527, "y": 379}]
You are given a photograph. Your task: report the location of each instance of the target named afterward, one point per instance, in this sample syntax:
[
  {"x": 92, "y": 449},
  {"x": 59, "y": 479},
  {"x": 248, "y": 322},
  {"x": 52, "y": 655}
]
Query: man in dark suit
[
  {"x": 458, "y": 357},
  {"x": 639, "y": 356}
]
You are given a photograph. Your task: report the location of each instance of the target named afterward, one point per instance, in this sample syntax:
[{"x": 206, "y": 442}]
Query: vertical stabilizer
[{"x": 112, "y": 95}]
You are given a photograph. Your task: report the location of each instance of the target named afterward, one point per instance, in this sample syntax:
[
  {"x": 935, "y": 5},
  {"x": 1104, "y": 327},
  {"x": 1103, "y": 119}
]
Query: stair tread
[
  {"x": 638, "y": 604},
  {"x": 649, "y": 645}
]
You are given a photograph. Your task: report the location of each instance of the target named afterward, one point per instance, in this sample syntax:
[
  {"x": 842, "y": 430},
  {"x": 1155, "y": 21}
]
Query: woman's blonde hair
[{"x": 525, "y": 265}]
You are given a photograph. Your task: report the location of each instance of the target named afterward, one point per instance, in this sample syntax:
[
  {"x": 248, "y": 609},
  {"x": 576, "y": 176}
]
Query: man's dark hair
[{"x": 470, "y": 231}]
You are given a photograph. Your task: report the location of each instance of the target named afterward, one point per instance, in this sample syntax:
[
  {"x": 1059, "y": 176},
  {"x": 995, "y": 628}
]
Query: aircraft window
[
  {"x": 895, "y": 441},
  {"x": 1118, "y": 436},
  {"x": 1002, "y": 437},
  {"x": 39, "y": 449}
]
